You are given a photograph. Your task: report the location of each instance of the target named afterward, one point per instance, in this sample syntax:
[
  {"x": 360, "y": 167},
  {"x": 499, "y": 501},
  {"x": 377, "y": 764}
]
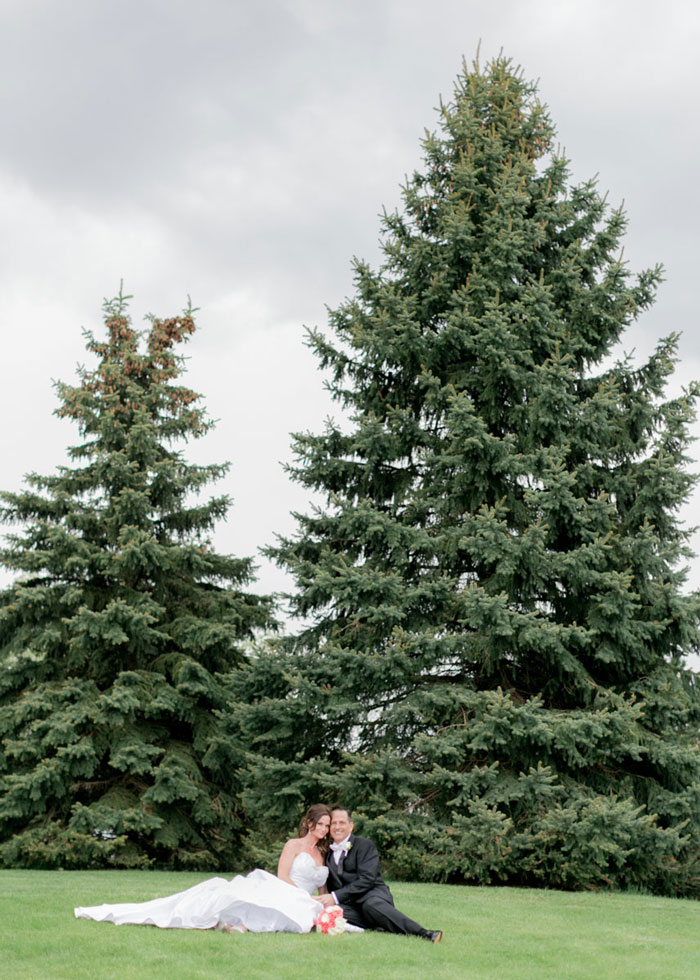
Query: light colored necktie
[{"x": 339, "y": 850}]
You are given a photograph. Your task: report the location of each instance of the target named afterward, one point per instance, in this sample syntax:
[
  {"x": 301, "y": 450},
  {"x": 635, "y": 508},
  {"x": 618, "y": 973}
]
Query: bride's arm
[{"x": 284, "y": 866}]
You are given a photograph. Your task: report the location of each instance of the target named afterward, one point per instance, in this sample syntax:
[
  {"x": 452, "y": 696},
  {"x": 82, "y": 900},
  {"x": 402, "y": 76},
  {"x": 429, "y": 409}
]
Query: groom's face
[{"x": 341, "y": 825}]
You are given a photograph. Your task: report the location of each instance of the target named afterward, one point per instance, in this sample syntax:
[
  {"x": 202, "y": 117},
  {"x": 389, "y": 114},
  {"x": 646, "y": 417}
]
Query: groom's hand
[{"x": 326, "y": 899}]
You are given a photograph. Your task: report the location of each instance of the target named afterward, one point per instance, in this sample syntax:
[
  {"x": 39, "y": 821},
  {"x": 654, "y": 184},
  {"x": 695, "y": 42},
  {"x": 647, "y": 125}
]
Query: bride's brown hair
[{"x": 309, "y": 821}]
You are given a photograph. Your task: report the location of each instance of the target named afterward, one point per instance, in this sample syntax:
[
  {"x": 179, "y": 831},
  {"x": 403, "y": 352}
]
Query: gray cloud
[{"x": 241, "y": 153}]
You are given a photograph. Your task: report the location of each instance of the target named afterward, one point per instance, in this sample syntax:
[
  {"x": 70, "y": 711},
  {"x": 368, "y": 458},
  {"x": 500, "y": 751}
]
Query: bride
[{"x": 258, "y": 902}]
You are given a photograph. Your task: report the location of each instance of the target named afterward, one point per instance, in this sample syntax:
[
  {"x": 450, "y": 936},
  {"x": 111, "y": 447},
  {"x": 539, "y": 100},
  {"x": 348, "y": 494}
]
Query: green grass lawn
[{"x": 490, "y": 933}]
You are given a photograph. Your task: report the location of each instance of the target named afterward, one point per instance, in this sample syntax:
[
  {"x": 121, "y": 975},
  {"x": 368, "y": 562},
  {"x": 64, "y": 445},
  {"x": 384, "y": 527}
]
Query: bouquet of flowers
[{"x": 331, "y": 922}]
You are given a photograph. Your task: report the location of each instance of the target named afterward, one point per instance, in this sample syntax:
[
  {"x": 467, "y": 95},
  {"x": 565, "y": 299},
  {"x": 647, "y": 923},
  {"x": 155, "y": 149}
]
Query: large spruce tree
[
  {"x": 115, "y": 634},
  {"x": 491, "y": 667}
]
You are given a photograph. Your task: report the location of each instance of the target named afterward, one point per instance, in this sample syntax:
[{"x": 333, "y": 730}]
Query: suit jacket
[{"x": 357, "y": 874}]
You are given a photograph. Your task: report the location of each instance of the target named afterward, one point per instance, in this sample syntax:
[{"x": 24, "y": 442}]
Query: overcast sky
[{"x": 239, "y": 152}]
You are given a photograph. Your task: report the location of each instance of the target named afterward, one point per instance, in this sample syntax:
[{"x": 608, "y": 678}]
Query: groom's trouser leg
[
  {"x": 354, "y": 916},
  {"x": 381, "y": 913}
]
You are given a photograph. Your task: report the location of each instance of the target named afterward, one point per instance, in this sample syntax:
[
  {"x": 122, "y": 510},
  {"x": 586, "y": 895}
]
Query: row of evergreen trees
[{"x": 491, "y": 663}]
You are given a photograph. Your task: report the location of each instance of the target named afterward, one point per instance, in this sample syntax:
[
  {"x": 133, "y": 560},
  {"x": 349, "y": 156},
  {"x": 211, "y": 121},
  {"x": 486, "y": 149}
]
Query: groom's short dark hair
[{"x": 339, "y": 806}]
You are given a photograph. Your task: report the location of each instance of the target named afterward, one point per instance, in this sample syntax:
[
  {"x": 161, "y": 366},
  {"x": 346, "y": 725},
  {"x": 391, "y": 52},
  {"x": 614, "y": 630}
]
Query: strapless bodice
[{"x": 307, "y": 874}]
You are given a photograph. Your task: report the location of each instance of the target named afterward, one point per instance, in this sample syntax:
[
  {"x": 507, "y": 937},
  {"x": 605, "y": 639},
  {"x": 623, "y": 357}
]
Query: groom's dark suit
[{"x": 357, "y": 883}]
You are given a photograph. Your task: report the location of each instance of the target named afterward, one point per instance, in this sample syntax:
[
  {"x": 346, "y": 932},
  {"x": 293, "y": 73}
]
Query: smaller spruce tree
[{"x": 116, "y": 634}]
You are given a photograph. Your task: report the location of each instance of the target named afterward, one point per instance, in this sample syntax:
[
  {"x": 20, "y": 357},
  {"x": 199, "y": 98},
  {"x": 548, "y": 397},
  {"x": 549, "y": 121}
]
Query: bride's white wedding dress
[{"x": 259, "y": 901}]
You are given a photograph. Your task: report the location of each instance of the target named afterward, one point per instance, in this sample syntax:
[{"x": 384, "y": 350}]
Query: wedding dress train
[{"x": 259, "y": 901}]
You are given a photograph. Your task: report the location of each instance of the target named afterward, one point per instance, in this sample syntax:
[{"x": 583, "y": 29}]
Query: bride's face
[{"x": 321, "y": 828}]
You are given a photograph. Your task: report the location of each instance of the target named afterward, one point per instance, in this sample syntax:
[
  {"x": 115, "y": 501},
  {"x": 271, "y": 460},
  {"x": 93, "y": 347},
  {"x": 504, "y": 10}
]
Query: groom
[{"x": 355, "y": 883}]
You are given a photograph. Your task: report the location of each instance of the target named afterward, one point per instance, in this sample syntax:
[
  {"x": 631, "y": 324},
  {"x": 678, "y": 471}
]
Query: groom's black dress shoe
[{"x": 432, "y": 936}]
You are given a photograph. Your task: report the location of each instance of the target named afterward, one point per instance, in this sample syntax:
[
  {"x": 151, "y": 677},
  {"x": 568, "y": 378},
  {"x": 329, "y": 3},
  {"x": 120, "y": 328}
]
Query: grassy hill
[{"x": 490, "y": 934}]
